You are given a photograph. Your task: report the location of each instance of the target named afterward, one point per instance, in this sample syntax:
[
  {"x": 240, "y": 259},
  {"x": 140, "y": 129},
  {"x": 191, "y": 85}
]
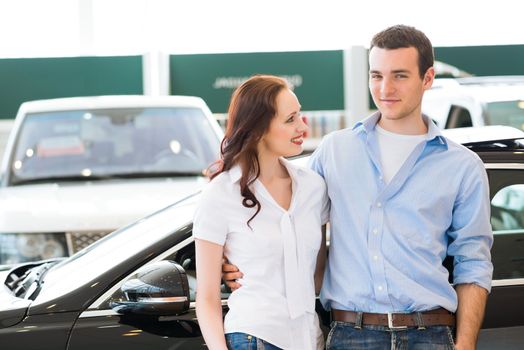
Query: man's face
[{"x": 395, "y": 82}]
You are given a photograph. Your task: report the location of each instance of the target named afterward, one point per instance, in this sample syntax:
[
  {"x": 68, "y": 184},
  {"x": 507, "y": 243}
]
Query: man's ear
[{"x": 429, "y": 77}]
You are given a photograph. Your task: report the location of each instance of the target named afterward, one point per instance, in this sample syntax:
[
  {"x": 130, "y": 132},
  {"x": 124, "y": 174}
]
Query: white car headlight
[{"x": 22, "y": 247}]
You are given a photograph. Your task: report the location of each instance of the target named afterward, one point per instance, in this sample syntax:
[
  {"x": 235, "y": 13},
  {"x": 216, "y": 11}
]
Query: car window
[
  {"x": 118, "y": 141},
  {"x": 507, "y": 220},
  {"x": 510, "y": 113},
  {"x": 459, "y": 117}
]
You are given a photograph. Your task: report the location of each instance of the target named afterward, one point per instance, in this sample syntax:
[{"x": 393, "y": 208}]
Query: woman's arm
[
  {"x": 208, "y": 303},
  {"x": 321, "y": 262}
]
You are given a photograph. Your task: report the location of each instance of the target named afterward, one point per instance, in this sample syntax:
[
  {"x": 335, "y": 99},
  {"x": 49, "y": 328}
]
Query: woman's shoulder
[{"x": 219, "y": 186}]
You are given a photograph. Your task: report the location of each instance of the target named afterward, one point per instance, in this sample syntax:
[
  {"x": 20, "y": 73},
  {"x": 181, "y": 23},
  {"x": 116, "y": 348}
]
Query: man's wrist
[{"x": 464, "y": 344}]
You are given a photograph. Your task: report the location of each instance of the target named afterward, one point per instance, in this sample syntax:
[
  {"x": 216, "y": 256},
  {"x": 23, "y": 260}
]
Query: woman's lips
[{"x": 297, "y": 140}]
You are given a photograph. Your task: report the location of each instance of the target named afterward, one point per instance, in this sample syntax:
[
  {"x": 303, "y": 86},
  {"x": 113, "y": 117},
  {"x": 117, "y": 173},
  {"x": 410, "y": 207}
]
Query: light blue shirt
[{"x": 388, "y": 241}]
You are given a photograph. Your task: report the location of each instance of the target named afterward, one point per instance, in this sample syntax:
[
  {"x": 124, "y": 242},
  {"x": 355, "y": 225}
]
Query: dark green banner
[
  {"x": 40, "y": 78},
  {"x": 317, "y": 76},
  {"x": 484, "y": 60}
]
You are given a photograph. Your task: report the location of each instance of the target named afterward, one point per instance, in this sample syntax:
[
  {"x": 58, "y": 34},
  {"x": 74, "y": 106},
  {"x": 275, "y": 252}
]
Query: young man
[{"x": 403, "y": 197}]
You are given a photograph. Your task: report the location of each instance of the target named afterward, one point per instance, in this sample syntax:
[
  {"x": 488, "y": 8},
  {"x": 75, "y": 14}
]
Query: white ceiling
[{"x": 103, "y": 27}]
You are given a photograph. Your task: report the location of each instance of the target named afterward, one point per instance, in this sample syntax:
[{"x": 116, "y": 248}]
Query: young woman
[{"x": 263, "y": 214}]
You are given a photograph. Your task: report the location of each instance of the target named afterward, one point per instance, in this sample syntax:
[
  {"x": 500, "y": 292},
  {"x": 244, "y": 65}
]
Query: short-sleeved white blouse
[{"x": 277, "y": 255}]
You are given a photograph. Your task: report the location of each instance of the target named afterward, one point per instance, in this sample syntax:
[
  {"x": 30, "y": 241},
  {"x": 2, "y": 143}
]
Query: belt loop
[
  {"x": 419, "y": 322},
  {"x": 358, "y": 320}
]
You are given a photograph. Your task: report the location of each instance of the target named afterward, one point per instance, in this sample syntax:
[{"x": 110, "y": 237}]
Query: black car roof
[{"x": 499, "y": 151}]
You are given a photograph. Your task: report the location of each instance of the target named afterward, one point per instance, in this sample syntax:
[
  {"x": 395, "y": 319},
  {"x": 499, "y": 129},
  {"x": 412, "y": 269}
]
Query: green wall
[
  {"x": 318, "y": 76},
  {"x": 484, "y": 60},
  {"x": 40, "y": 78}
]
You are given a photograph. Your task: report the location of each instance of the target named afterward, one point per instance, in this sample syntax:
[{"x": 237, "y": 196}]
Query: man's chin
[{"x": 390, "y": 116}]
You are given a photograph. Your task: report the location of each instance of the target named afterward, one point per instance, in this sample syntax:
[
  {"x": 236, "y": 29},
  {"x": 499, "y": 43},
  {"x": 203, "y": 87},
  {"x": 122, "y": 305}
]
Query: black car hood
[{"x": 12, "y": 309}]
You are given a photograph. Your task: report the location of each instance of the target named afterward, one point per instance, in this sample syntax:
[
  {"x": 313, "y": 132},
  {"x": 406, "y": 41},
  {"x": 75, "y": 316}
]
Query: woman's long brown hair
[{"x": 252, "y": 107}]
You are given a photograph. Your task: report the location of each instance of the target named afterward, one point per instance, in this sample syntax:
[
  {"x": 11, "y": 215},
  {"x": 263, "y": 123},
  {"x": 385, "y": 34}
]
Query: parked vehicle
[
  {"x": 135, "y": 288},
  {"x": 476, "y": 101},
  {"x": 78, "y": 168}
]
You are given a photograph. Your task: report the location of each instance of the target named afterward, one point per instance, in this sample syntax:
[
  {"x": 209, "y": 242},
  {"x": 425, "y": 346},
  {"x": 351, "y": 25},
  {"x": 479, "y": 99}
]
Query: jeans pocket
[
  {"x": 330, "y": 335},
  {"x": 451, "y": 338},
  {"x": 241, "y": 341}
]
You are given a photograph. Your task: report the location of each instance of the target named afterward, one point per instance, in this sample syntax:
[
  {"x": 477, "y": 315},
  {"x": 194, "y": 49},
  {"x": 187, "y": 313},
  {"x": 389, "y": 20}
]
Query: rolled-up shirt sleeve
[
  {"x": 470, "y": 232},
  {"x": 315, "y": 161},
  {"x": 209, "y": 223}
]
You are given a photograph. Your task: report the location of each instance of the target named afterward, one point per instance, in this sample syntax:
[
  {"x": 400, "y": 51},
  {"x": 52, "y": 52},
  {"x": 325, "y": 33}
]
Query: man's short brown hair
[{"x": 402, "y": 36}]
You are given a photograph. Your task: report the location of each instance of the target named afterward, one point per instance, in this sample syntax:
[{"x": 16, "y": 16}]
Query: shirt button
[
  {"x": 380, "y": 288},
  {"x": 375, "y": 257},
  {"x": 375, "y": 231},
  {"x": 380, "y": 178},
  {"x": 379, "y": 204}
]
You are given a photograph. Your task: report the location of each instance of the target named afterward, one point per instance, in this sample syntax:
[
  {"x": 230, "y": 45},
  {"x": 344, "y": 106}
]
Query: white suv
[
  {"x": 476, "y": 101},
  {"x": 75, "y": 169}
]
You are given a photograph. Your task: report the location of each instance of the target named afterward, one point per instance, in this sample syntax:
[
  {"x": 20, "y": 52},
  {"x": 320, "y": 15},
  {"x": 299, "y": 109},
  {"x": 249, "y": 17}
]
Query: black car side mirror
[{"x": 159, "y": 289}]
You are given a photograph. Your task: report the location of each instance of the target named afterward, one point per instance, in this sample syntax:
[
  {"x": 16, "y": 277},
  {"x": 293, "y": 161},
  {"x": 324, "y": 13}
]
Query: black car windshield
[
  {"x": 96, "y": 144},
  {"x": 510, "y": 113},
  {"x": 115, "y": 249}
]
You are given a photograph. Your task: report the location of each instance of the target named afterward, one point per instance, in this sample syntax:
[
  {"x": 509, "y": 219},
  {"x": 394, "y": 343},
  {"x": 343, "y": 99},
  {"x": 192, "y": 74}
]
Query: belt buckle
[{"x": 390, "y": 323}]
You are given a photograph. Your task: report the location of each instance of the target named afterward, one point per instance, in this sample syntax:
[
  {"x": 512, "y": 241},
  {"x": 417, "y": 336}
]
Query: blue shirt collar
[{"x": 433, "y": 137}]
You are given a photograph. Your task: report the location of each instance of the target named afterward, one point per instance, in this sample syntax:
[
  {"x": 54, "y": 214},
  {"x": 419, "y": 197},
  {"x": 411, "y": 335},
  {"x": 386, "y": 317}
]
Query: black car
[{"x": 134, "y": 289}]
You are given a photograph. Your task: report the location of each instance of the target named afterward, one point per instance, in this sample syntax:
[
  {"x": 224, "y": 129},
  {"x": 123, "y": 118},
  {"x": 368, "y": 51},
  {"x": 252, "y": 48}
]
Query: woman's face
[{"x": 287, "y": 128}]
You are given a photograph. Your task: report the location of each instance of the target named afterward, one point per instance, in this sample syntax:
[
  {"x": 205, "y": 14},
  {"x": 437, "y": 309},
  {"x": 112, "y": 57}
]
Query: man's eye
[
  {"x": 375, "y": 76},
  {"x": 290, "y": 119}
]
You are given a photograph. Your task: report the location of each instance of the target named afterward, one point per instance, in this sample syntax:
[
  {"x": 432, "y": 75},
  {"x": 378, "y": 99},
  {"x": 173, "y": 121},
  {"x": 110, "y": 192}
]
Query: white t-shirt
[
  {"x": 276, "y": 302},
  {"x": 394, "y": 150}
]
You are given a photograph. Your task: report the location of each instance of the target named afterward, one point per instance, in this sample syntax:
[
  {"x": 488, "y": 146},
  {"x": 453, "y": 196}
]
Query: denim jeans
[
  {"x": 243, "y": 341},
  {"x": 346, "y": 336}
]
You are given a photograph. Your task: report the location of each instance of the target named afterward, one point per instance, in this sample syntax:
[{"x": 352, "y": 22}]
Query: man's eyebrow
[
  {"x": 400, "y": 71},
  {"x": 393, "y": 71}
]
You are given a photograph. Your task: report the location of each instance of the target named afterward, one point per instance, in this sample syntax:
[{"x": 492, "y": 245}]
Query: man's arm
[
  {"x": 471, "y": 240},
  {"x": 321, "y": 262},
  {"x": 470, "y": 313}
]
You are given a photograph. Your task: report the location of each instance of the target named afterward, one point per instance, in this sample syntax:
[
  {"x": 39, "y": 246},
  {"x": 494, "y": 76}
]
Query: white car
[
  {"x": 476, "y": 101},
  {"x": 75, "y": 169}
]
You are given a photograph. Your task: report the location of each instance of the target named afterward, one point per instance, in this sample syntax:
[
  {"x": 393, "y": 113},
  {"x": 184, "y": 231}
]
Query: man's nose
[{"x": 387, "y": 87}]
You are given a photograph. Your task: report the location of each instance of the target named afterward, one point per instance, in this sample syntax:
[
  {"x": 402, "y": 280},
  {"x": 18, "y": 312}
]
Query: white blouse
[{"x": 277, "y": 255}]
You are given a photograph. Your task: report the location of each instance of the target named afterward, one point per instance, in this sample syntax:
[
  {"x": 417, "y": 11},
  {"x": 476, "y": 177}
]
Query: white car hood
[{"x": 88, "y": 206}]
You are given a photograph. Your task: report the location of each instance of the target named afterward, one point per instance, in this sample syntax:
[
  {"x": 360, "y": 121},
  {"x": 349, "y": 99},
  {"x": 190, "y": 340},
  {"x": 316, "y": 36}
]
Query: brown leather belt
[{"x": 437, "y": 317}]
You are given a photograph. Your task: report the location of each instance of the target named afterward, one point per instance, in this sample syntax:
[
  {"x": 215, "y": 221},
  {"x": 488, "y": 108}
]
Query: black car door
[
  {"x": 504, "y": 321},
  {"x": 99, "y": 327}
]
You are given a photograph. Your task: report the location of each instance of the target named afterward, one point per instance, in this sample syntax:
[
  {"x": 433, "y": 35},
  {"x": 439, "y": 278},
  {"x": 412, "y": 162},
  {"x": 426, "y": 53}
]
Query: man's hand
[{"x": 230, "y": 274}]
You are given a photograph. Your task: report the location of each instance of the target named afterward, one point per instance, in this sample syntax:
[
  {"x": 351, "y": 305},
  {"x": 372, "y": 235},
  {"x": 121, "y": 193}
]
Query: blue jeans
[
  {"x": 243, "y": 341},
  {"x": 346, "y": 336}
]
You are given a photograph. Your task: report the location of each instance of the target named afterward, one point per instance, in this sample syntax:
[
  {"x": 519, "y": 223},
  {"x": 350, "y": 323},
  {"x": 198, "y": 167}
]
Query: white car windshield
[{"x": 102, "y": 143}]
